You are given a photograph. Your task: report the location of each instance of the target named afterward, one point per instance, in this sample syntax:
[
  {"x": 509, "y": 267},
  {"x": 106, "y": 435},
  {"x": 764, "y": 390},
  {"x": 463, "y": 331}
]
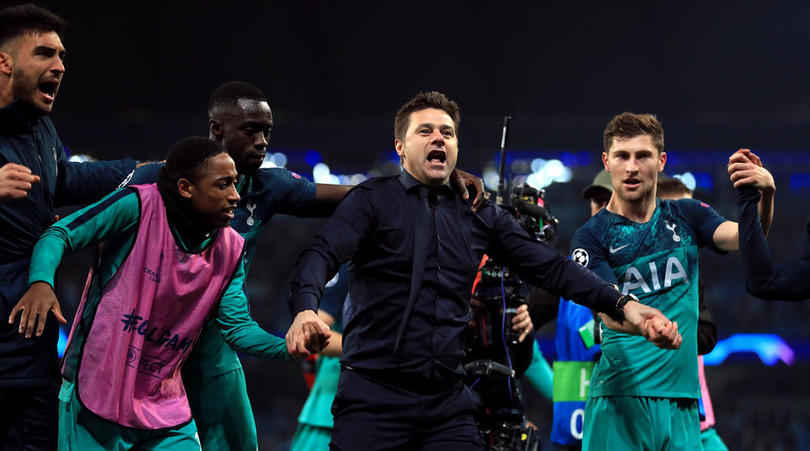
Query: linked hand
[
  {"x": 663, "y": 333},
  {"x": 15, "y": 181},
  {"x": 463, "y": 179},
  {"x": 522, "y": 322},
  {"x": 745, "y": 169},
  {"x": 316, "y": 342},
  {"x": 34, "y": 306},
  {"x": 307, "y": 334},
  {"x": 649, "y": 322}
]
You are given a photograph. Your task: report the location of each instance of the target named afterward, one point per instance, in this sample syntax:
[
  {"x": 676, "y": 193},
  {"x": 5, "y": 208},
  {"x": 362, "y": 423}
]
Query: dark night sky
[{"x": 719, "y": 74}]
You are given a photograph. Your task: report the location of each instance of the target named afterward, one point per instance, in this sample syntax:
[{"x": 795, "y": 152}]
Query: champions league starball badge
[{"x": 580, "y": 256}]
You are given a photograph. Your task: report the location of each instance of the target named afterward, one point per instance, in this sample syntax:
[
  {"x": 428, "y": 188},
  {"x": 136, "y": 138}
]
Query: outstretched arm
[
  {"x": 745, "y": 169},
  {"x": 80, "y": 183},
  {"x": 327, "y": 198},
  {"x": 115, "y": 214},
  {"x": 763, "y": 278},
  {"x": 239, "y": 330},
  {"x": 542, "y": 266},
  {"x": 335, "y": 243}
]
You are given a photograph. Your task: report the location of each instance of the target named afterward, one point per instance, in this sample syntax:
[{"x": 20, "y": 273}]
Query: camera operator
[{"x": 497, "y": 354}]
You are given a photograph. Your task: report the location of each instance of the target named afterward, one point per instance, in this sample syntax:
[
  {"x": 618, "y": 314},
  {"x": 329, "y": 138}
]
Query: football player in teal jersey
[
  {"x": 674, "y": 189},
  {"x": 643, "y": 397}
]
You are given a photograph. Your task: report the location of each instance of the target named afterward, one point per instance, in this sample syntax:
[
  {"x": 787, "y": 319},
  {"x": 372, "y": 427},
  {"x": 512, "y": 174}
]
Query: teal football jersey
[{"x": 658, "y": 262}]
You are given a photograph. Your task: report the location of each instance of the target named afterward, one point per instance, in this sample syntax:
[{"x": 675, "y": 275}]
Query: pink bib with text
[{"x": 150, "y": 314}]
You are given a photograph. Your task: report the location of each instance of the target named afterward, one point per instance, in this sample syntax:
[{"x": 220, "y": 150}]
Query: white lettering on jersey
[
  {"x": 673, "y": 263},
  {"x": 654, "y": 276},
  {"x": 634, "y": 280},
  {"x": 638, "y": 281}
]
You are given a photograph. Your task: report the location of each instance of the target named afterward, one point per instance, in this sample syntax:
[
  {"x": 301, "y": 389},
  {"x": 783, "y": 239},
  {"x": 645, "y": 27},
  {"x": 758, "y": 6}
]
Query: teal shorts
[
  {"x": 221, "y": 408},
  {"x": 641, "y": 423},
  {"x": 81, "y": 430},
  {"x": 311, "y": 438},
  {"x": 712, "y": 441}
]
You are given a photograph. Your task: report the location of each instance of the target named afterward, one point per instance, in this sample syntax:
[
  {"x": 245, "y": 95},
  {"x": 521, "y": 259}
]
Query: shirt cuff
[
  {"x": 40, "y": 279},
  {"x": 606, "y": 301},
  {"x": 299, "y": 302}
]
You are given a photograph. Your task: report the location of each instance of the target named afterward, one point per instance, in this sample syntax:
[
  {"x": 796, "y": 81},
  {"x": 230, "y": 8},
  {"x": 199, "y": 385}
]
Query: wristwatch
[{"x": 618, "y": 309}]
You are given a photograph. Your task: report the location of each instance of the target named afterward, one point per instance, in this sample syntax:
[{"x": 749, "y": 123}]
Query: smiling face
[
  {"x": 634, "y": 164},
  {"x": 213, "y": 192},
  {"x": 37, "y": 67},
  {"x": 429, "y": 149},
  {"x": 244, "y": 130}
]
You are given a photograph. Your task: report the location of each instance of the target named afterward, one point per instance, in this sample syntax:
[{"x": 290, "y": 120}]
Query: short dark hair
[
  {"x": 630, "y": 125},
  {"x": 29, "y": 18},
  {"x": 423, "y": 101},
  {"x": 671, "y": 187},
  {"x": 228, "y": 94},
  {"x": 188, "y": 155}
]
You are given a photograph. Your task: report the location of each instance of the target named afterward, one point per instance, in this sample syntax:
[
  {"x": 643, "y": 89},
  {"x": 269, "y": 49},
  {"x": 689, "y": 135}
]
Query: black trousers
[
  {"x": 29, "y": 419},
  {"x": 374, "y": 415}
]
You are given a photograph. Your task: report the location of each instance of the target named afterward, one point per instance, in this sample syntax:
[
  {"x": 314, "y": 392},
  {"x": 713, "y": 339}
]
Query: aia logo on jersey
[
  {"x": 295, "y": 175},
  {"x": 704, "y": 205}
]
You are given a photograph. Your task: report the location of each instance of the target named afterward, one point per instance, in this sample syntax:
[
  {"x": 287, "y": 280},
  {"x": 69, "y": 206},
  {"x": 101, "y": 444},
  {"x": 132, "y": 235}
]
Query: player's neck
[{"x": 640, "y": 211}]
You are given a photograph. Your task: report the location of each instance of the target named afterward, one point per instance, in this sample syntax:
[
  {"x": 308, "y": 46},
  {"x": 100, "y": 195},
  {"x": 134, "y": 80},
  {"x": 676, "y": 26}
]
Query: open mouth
[
  {"x": 632, "y": 183},
  {"x": 48, "y": 89},
  {"x": 436, "y": 156},
  {"x": 228, "y": 212}
]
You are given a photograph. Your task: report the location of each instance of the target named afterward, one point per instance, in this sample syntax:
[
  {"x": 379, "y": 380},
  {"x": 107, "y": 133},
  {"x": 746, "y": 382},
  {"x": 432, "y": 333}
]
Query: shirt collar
[
  {"x": 19, "y": 114},
  {"x": 410, "y": 183}
]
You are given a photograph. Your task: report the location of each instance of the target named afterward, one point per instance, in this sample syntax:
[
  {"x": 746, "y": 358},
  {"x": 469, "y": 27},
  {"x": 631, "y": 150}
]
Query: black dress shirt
[{"x": 376, "y": 226}]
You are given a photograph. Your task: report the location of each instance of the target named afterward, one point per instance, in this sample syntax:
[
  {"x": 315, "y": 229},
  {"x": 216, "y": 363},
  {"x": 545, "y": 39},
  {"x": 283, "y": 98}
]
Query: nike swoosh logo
[{"x": 613, "y": 250}]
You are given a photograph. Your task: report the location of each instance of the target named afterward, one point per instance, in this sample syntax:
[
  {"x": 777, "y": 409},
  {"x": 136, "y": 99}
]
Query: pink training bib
[
  {"x": 149, "y": 316},
  {"x": 707, "y": 400}
]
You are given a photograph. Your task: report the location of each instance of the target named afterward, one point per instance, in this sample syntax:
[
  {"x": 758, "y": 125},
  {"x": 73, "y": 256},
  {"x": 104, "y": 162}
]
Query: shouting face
[
  {"x": 37, "y": 67},
  {"x": 429, "y": 149}
]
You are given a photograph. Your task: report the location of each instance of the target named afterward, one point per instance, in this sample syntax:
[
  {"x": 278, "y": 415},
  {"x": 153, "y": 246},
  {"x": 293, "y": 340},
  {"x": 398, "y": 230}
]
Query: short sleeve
[{"x": 703, "y": 219}]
